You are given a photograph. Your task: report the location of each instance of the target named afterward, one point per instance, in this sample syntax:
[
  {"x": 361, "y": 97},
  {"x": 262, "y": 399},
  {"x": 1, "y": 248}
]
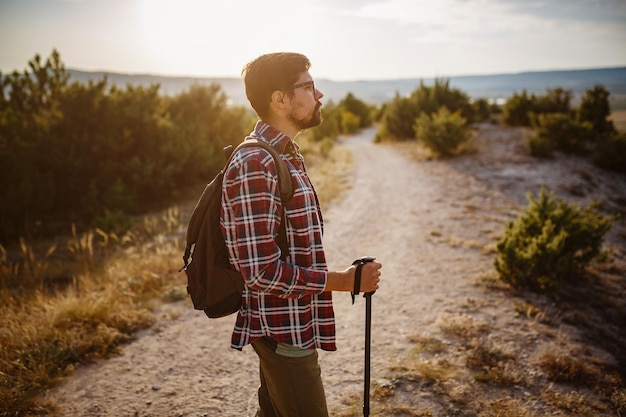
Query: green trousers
[{"x": 290, "y": 386}]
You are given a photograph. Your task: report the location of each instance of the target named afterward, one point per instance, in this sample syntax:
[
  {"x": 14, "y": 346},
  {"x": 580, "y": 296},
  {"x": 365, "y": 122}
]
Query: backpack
[{"x": 212, "y": 283}]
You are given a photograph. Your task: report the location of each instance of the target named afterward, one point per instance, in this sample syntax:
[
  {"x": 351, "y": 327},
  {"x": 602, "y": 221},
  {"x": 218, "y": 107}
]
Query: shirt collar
[{"x": 279, "y": 141}]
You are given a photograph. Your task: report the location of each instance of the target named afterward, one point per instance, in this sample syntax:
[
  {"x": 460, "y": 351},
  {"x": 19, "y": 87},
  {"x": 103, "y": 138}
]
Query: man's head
[{"x": 279, "y": 84}]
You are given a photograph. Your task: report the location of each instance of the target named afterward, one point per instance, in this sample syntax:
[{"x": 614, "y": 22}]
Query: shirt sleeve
[{"x": 251, "y": 214}]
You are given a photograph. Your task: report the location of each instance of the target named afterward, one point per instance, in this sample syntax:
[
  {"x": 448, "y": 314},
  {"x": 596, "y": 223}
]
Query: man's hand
[
  {"x": 370, "y": 276},
  {"x": 344, "y": 280}
]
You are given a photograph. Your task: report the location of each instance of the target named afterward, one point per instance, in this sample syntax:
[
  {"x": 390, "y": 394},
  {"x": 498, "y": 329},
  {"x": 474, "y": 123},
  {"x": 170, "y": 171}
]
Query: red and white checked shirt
[{"x": 282, "y": 299}]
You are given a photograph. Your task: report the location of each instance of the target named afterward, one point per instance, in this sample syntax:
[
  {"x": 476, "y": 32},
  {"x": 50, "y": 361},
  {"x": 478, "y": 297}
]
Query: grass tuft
[
  {"x": 568, "y": 368},
  {"x": 494, "y": 366}
]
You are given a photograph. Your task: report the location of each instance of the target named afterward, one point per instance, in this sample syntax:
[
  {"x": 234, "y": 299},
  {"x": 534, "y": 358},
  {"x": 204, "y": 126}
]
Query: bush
[
  {"x": 549, "y": 243},
  {"x": 610, "y": 152},
  {"x": 350, "y": 122},
  {"x": 71, "y": 152},
  {"x": 595, "y": 109},
  {"x": 398, "y": 118},
  {"x": 399, "y": 115},
  {"x": 350, "y": 115},
  {"x": 330, "y": 126},
  {"x": 558, "y": 131},
  {"x": 517, "y": 109},
  {"x": 430, "y": 99},
  {"x": 540, "y": 146},
  {"x": 481, "y": 109},
  {"x": 555, "y": 100},
  {"x": 113, "y": 222},
  {"x": 358, "y": 108},
  {"x": 443, "y": 132}
]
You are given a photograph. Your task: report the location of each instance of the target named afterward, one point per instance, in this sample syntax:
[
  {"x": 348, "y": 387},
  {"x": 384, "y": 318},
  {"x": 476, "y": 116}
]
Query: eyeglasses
[{"x": 304, "y": 84}]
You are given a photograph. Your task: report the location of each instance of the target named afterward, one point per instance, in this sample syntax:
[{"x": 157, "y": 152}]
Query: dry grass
[
  {"x": 532, "y": 312},
  {"x": 575, "y": 403},
  {"x": 504, "y": 407},
  {"x": 426, "y": 344},
  {"x": 60, "y": 308},
  {"x": 46, "y": 333},
  {"x": 493, "y": 365},
  {"x": 329, "y": 171},
  {"x": 463, "y": 326},
  {"x": 566, "y": 367}
]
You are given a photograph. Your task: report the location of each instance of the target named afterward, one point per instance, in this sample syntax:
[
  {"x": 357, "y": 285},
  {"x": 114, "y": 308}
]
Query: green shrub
[
  {"x": 562, "y": 130},
  {"x": 113, "y": 222},
  {"x": 330, "y": 126},
  {"x": 350, "y": 115},
  {"x": 555, "y": 100},
  {"x": 517, "y": 109},
  {"x": 358, "y": 108},
  {"x": 71, "y": 151},
  {"x": 350, "y": 122},
  {"x": 540, "y": 146},
  {"x": 443, "y": 132},
  {"x": 398, "y": 118},
  {"x": 610, "y": 152},
  {"x": 549, "y": 243},
  {"x": 429, "y": 99},
  {"x": 595, "y": 109},
  {"x": 481, "y": 109}
]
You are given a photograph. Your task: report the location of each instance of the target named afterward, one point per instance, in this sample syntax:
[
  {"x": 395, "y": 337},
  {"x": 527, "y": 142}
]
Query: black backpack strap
[
  {"x": 284, "y": 177},
  {"x": 228, "y": 151}
]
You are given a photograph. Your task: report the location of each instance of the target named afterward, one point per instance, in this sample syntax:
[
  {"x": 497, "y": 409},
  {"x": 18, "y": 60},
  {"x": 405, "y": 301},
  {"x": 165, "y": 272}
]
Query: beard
[{"x": 308, "y": 121}]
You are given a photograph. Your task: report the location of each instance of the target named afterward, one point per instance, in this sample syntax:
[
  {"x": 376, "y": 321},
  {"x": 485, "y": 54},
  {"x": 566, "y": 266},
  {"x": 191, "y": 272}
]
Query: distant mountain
[{"x": 496, "y": 86}]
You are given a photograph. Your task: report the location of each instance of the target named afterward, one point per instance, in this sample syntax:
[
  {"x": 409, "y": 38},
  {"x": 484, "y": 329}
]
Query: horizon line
[{"x": 539, "y": 71}]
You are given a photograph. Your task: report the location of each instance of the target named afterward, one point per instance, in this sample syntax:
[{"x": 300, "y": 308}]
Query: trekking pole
[
  {"x": 368, "y": 340},
  {"x": 368, "y": 328}
]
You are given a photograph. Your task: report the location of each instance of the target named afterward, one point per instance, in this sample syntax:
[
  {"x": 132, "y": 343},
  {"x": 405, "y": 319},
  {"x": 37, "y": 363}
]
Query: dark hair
[{"x": 271, "y": 72}]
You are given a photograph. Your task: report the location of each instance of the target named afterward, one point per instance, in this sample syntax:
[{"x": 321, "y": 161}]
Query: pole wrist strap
[
  {"x": 357, "y": 280},
  {"x": 357, "y": 274}
]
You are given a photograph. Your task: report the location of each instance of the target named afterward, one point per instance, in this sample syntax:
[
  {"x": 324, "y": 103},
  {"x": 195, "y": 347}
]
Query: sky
[{"x": 345, "y": 40}]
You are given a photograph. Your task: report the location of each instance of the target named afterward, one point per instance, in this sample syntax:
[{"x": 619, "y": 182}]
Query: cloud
[
  {"x": 465, "y": 21},
  {"x": 571, "y": 10},
  {"x": 450, "y": 20}
]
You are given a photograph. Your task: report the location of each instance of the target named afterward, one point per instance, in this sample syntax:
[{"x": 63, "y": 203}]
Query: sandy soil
[{"x": 431, "y": 224}]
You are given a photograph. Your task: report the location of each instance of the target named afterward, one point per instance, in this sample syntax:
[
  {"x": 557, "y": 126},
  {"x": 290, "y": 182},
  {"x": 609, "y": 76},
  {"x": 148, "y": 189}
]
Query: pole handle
[{"x": 357, "y": 276}]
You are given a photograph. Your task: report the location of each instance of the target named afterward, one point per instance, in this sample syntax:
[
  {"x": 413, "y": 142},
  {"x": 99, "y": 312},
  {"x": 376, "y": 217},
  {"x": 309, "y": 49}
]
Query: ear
[{"x": 278, "y": 98}]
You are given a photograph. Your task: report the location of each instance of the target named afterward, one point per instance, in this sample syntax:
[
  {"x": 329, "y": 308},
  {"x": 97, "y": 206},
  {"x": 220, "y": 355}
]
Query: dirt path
[
  {"x": 392, "y": 212},
  {"x": 428, "y": 223}
]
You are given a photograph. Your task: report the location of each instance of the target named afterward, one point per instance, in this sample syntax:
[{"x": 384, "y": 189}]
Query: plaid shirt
[{"x": 282, "y": 299}]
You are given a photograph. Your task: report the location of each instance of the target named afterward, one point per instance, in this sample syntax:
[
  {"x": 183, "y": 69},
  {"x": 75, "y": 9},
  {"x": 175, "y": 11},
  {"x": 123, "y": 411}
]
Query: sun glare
[
  {"x": 175, "y": 25},
  {"x": 192, "y": 37},
  {"x": 182, "y": 36}
]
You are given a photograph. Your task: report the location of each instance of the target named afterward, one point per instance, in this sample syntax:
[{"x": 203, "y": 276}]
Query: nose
[{"x": 318, "y": 94}]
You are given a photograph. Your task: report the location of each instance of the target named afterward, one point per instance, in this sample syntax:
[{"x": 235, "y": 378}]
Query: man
[{"x": 287, "y": 310}]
